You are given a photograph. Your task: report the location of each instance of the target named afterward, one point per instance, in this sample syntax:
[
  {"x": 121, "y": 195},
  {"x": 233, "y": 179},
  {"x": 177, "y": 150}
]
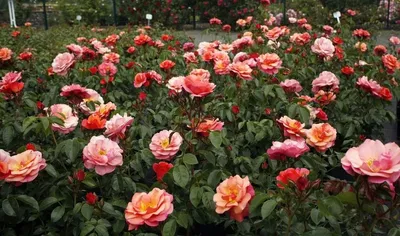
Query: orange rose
[
  {"x": 292, "y": 128},
  {"x": 167, "y": 64},
  {"x": 142, "y": 39},
  {"x": 241, "y": 69},
  {"x": 391, "y": 63},
  {"x": 321, "y": 136},
  {"x": 5, "y": 54}
]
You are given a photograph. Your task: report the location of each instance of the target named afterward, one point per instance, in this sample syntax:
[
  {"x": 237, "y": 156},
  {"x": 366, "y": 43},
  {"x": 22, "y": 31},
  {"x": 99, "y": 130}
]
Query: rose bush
[{"x": 142, "y": 132}]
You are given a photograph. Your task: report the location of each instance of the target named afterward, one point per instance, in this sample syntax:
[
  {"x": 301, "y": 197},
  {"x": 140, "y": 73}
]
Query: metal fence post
[
  {"x": 115, "y": 12},
  {"x": 284, "y": 12},
  {"x": 388, "y": 16},
  {"x": 46, "y": 24}
]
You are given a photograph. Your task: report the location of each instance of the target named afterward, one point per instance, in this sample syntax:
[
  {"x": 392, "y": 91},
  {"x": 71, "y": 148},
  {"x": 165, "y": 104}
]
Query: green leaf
[
  {"x": 190, "y": 159},
  {"x": 215, "y": 138},
  {"x": 29, "y": 201},
  {"x": 348, "y": 197},
  {"x": 181, "y": 175},
  {"x": 8, "y": 135},
  {"x": 77, "y": 208},
  {"x": 394, "y": 232},
  {"x": 87, "y": 230},
  {"x": 280, "y": 93},
  {"x": 87, "y": 211},
  {"x": 330, "y": 206},
  {"x": 89, "y": 182},
  {"x": 46, "y": 203},
  {"x": 195, "y": 196},
  {"x": 51, "y": 171},
  {"x": 207, "y": 200},
  {"x": 257, "y": 201},
  {"x": 316, "y": 216},
  {"x": 108, "y": 208},
  {"x": 183, "y": 219},
  {"x": 304, "y": 114},
  {"x": 268, "y": 207},
  {"x": 101, "y": 230},
  {"x": 45, "y": 122},
  {"x": 57, "y": 213},
  {"x": 169, "y": 228},
  {"x": 350, "y": 131},
  {"x": 7, "y": 208},
  {"x": 28, "y": 121},
  {"x": 118, "y": 226},
  {"x": 214, "y": 178},
  {"x": 72, "y": 149}
]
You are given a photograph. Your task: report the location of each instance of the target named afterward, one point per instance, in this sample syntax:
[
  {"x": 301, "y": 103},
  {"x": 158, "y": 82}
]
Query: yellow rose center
[
  {"x": 164, "y": 143},
  {"x": 102, "y": 152},
  {"x": 371, "y": 165}
]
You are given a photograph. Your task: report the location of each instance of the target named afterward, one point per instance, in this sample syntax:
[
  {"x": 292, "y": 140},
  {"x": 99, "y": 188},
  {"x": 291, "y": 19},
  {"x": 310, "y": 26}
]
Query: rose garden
[{"x": 274, "y": 128}]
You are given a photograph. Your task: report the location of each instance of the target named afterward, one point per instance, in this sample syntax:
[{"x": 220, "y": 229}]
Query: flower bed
[{"x": 107, "y": 131}]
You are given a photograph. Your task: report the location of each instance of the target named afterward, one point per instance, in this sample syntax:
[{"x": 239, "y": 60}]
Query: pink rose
[
  {"x": 292, "y": 128},
  {"x": 325, "y": 80},
  {"x": 291, "y": 86},
  {"x": 175, "y": 84},
  {"x": 111, "y": 57},
  {"x": 140, "y": 80},
  {"x": 323, "y": 47},
  {"x": 148, "y": 208},
  {"x": 94, "y": 97},
  {"x": 269, "y": 63},
  {"x": 221, "y": 67},
  {"x": 65, "y": 113},
  {"x": 300, "y": 39},
  {"x": 21, "y": 168},
  {"x": 107, "y": 69},
  {"x": 62, "y": 63},
  {"x": 369, "y": 86},
  {"x": 242, "y": 70},
  {"x": 234, "y": 195},
  {"x": 321, "y": 136},
  {"x": 164, "y": 146},
  {"x": 274, "y": 33},
  {"x": 102, "y": 154},
  {"x": 289, "y": 148},
  {"x": 190, "y": 57},
  {"x": 116, "y": 126},
  {"x": 380, "y": 162},
  {"x": 197, "y": 86},
  {"x": 75, "y": 93},
  {"x": 394, "y": 40},
  {"x": 75, "y": 49}
]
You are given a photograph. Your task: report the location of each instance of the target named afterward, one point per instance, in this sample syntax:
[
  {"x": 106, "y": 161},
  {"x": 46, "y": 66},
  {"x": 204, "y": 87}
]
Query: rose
[
  {"x": 116, "y": 126},
  {"x": 323, "y": 47},
  {"x": 107, "y": 68},
  {"x": 197, "y": 86},
  {"x": 65, "y": 113},
  {"x": 175, "y": 84},
  {"x": 325, "y": 80},
  {"x": 291, "y": 86},
  {"x": 269, "y": 63},
  {"x": 241, "y": 69},
  {"x": 167, "y": 65},
  {"x": 289, "y": 148},
  {"x": 111, "y": 57},
  {"x": 102, "y": 154},
  {"x": 148, "y": 208},
  {"x": 62, "y": 63},
  {"x": 75, "y": 93},
  {"x": 75, "y": 49},
  {"x": 161, "y": 169},
  {"x": 165, "y": 144},
  {"x": 5, "y": 54},
  {"x": 21, "y": 168},
  {"x": 321, "y": 136},
  {"x": 142, "y": 39},
  {"x": 297, "y": 176},
  {"x": 208, "y": 125},
  {"x": 300, "y": 39},
  {"x": 394, "y": 40},
  {"x": 91, "y": 198},
  {"x": 391, "y": 63},
  {"x": 94, "y": 122},
  {"x": 380, "y": 162},
  {"x": 233, "y": 195},
  {"x": 140, "y": 79},
  {"x": 292, "y": 128}
]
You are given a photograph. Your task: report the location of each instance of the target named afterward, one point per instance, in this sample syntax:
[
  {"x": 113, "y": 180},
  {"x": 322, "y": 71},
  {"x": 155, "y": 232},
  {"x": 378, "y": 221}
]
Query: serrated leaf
[
  {"x": 316, "y": 216},
  {"x": 57, "y": 213},
  {"x": 214, "y": 178},
  {"x": 7, "y": 208},
  {"x": 87, "y": 230},
  {"x": 181, "y": 175},
  {"x": 190, "y": 159},
  {"x": 215, "y": 138},
  {"x": 183, "y": 219},
  {"x": 101, "y": 230},
  {"x": 89, "y": 182},
  {"x": 257, "y": 201},
  {"x": 304, "y": 114},
  {"x": 169, "y": 228},
  {"x": 195, "y": 196},
  {"x": 87, "y": 211},
  {"x": 51, "y": 171},
  {"x": 268, "y": 207},
  {"x": 46, "y": 203},
  {"x": 29, "y": 201},
  {"x": 72, "y": 149}
]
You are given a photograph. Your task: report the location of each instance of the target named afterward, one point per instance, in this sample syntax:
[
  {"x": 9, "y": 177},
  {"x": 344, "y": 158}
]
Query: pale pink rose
[
  {"x": 241, "y": 22},
  {"x": 274, "y": 33},
  {"x": 94, "y": 97},
  {"x": 102, "y": 154},
  {"x": 104, "y": 110},
  {"x": 62, "y": 63},
  {"x": 176, "y": 83},
  {"x": 116, "y": 126},
  {"x": 215, "y": 21},
  {"x": 242, "y": 70},
  {"x": 292, "y": 128},
  {"x": 308, "y": 27},
  {"x": 203, "y": 74},
  {"x": 107, "y": 69},
  {"x": 291, "y": 86},
  {"x": 380, "y": 162},
  {"x": 21, "y": 168},
  {"x": 321, "y": 136},
  {"x": 66, "y": 114},
  {"x": 197, "y": 86},
  {"x": 325, "y": 80},
  {"x": 394, "y": 40},
  {"x": 323, "y": 47},
  {"x": 221, "y": 67},
  {"x": 81, "y": 39},
  {"x": 75, "y": 49},
  {"x": 233, "y": 195},
  {"x": 164, "y": 145},
  {"x": 148, "y": 208},
  {"x": 242, "y": 42},
  {"x": 190, "y": 57},
  {"x": 111, "y": 57},
  {"x": 97, "y": 44},
  {"x": 221, "y": 56},
  {"x": 103, "y": 50},
  {"x": 289, "y": 148},
  {"x": 159, "y": 44},
  {"x": 249, "y": 19},
  {"x": 269, "y": 63},
  {"x": 292, "y": 20},
  {"x": 225, "y": 47},
  {"x": 370, "y": 86}
]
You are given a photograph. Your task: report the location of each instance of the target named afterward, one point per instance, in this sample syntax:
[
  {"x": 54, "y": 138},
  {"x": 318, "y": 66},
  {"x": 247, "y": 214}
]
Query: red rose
[
  {"x": 267, "y": 111},
  {"x": 142, "y": 96},
  {"x": 93, "y": 70},
  {"x": 30, "y": 146},
  {"x": 321, "y": 114},
  {"x": 80, "y": 175},
  {"x": 385, "y": 94},
  {"x": 235, "y": 110},
  {"x": 91, "y": 198},
  {"x": 347, "y": 70},
  {"x": 161, "y": 169},
  {"x": 167, "y": 64},
  {"x": 337, "y": 41},
  {"x": 39, "y": 105}
]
